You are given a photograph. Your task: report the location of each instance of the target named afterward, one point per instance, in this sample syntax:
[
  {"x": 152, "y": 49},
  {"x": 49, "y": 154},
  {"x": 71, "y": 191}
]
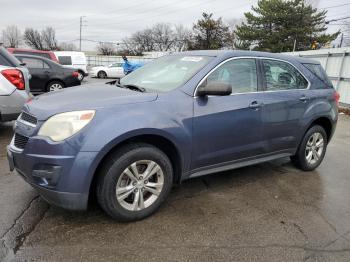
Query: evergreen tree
[
  {"x": 278, "y": 25},
  {"x": 209, "y": 33}
]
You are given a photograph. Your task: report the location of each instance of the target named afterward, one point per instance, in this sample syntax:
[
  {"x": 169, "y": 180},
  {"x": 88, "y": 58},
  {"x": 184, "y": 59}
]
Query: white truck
[{"x": 73, "y": 59}]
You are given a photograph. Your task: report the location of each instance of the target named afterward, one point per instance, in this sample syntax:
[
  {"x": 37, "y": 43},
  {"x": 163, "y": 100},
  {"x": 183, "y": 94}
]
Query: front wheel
[
  {"x": 312, "y": 149},
  {"x": 134, "y": 182},
  {"x": 102, "y": 74}
]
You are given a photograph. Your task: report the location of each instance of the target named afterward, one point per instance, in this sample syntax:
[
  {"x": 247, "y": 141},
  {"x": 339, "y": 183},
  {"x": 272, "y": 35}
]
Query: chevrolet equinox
[{"x": 181, "y": 116}]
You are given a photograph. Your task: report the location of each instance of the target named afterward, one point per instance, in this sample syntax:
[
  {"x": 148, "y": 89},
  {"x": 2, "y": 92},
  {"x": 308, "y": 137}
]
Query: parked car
[
  {"x": 47, "y": 75},
  {"x": 72, "y": 59},
  {"x": 47, "y": 54},
  {"x": 14, "y": 86},
  {"x": 114, "y": 70},
  {"x": 178, "y": 117}
]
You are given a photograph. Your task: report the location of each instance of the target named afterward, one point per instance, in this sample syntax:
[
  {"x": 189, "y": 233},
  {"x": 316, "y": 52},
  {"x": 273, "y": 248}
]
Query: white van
[{"x": 72, "y": 59}]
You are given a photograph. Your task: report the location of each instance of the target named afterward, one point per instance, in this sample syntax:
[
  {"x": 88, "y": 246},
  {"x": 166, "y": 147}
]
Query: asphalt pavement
[{"x": 266, "y": 212}]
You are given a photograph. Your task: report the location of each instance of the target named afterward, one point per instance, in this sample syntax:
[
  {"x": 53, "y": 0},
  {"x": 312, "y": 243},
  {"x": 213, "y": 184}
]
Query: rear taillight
[
  {"x": 15, "y": 77},
  {"x": 75, "y": 74},
  {"x": 337, "y": 97}
]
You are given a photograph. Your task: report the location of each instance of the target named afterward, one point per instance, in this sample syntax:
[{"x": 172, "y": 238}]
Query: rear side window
[
  {"x": 34, "y": 63},
  {"x": 8, "y": 59},
  {"x": 317, "y": 70},
  {"x": 239, "y": 73},
  {"x": 3, "y": 61},
  {"x": 116, "y": 65},
  {"x": 65, "y": 60},
  {"x": 280, "y": 75},
  {"x": 32, "y": 53}
]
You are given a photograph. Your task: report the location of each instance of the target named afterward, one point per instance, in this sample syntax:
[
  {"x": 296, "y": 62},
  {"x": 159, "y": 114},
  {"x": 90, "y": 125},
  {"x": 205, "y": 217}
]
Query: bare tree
[
  {"x": 160, "y": 37},
  {"x": 11, "y": 36},
  {"x": 64, "y": 46},
  {"x": 106, "y": 48},
  {"x": 44, "y": 40},
  {"x": 163, "y": 37},
  {"x": 139, "y": 42},
  {"x": 48, "y": 36},
  {"x": 33, "y": 38},
  {"x": 182, "y": 37}
]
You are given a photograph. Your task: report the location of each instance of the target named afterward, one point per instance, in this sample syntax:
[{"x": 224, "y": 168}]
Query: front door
[{"x": 227, "y": 128}]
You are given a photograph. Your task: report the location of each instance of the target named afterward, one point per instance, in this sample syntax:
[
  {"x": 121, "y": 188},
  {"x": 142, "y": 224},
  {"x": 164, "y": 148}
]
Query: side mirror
[{"x": 214, "y": 88}]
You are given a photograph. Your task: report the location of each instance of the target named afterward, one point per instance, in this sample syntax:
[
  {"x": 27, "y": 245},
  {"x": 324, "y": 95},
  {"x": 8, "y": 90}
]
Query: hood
[{"x": 93, "y": 96}]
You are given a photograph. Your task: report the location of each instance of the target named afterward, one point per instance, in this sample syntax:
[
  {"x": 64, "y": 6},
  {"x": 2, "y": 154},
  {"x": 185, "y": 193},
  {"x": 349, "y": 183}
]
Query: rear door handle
[
  {"x": 303, "y": 98},
  {"x": 255, "y": 105}
]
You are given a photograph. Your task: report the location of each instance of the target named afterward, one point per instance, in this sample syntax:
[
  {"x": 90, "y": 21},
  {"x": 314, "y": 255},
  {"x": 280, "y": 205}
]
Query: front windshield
[{"x": 166, "y": 73}]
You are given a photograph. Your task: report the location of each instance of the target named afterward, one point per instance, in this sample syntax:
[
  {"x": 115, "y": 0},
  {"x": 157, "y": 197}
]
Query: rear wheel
[
  {"x": 81, "y": 75},
  {"x": 101, "y": 74},
  {"x": 55, "y": 86},
  {"x": 134, "y": 182},
  {"x": 312, "y": 149}
]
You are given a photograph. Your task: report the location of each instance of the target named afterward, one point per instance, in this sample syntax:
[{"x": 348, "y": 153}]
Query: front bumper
[
  {"x": 66, "y": 200},
  {"x": 61, "y": 176}
]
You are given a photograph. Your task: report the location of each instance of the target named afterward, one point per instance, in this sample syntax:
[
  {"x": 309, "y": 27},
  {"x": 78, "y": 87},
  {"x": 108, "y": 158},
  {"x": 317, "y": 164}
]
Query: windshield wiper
[{"x": 132, "y": 87}]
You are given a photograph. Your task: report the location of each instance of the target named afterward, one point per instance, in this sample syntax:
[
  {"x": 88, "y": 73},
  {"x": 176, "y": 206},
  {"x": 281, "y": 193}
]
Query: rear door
[
  {"x": 285, "y": 100},
  {"x": 40, "y": 72},
  {"x": 227, "y": 128}
]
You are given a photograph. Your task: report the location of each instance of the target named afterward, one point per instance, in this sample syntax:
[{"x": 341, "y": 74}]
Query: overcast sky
[{"x": 111, "y": 20}]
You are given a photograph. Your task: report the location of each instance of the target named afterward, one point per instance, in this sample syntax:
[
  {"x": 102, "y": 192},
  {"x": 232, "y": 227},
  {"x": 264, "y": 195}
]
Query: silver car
[{"x": 14, "y": 86}]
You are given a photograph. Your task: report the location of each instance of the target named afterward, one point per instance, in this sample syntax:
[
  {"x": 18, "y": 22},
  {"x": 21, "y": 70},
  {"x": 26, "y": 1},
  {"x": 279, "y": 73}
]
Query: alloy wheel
[
  {"x": 314, "y": 148},
  {"x": 140, "y": 185},
  {"x": 55, "y": 87}
]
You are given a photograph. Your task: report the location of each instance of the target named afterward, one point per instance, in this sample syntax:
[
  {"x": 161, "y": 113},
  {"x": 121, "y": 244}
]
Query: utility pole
[
  {"x": 341, "y": 39},
  {"x": 80, "y": 29}
]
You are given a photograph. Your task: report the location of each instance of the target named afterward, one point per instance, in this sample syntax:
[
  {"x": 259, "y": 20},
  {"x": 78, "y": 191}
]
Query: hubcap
[
  {"x": 140, "y": 185},
  {"x": 314, "y": 148},
  {"x": 55, "y": 87}
]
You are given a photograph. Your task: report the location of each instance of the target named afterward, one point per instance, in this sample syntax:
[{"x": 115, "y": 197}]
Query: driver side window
[{"x": 239, "y": 73}]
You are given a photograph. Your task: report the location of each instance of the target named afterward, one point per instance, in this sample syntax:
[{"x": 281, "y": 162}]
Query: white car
[
  {"x": 114, "y": 70},
  {"x": 73, "y": 59}
]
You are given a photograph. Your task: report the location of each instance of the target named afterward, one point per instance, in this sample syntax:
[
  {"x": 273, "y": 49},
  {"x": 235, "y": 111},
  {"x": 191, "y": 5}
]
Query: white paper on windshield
[{"x": 191, "y": 58}]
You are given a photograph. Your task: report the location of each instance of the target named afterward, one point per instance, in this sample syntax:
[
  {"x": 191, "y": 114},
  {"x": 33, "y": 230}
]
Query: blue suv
[{"x": 180, "y": 116}]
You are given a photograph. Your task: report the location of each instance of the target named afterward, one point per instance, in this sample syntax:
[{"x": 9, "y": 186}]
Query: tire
[
  {"x": 127, "y": 205},
  {"x": 81, "y": 75},
  {"x": 311, "y": 150},
  {"x": 101, "y": 74},
  {"x": 54, "y": 86}
]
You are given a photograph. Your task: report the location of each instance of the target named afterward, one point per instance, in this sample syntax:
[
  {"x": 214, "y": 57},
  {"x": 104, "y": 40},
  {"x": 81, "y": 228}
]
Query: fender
[{"x": 318, "y": 108}]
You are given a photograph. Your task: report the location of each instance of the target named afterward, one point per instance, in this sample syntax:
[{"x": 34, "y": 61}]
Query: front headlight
[{"x": 62, "y": 126}]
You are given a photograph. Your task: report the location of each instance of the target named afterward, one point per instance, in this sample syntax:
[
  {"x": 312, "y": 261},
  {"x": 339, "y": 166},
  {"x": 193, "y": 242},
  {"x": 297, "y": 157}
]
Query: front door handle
[
  {"x": 255, "y": 105},
  {"x": 303, "y": 99}
]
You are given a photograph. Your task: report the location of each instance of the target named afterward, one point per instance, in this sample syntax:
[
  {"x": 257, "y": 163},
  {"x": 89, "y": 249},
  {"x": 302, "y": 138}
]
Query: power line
[
  {"x": 152, "y": 16},
  {"x": 151, "y": 10},
  {"x": 334, "y": 20},
  {"x": 334, "y": 6}
]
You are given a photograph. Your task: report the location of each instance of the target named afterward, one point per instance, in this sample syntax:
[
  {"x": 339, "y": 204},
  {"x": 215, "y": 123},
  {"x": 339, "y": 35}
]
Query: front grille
[
  {"x": 20, "y": 141},
  {"x": 28, "y": 118}
]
